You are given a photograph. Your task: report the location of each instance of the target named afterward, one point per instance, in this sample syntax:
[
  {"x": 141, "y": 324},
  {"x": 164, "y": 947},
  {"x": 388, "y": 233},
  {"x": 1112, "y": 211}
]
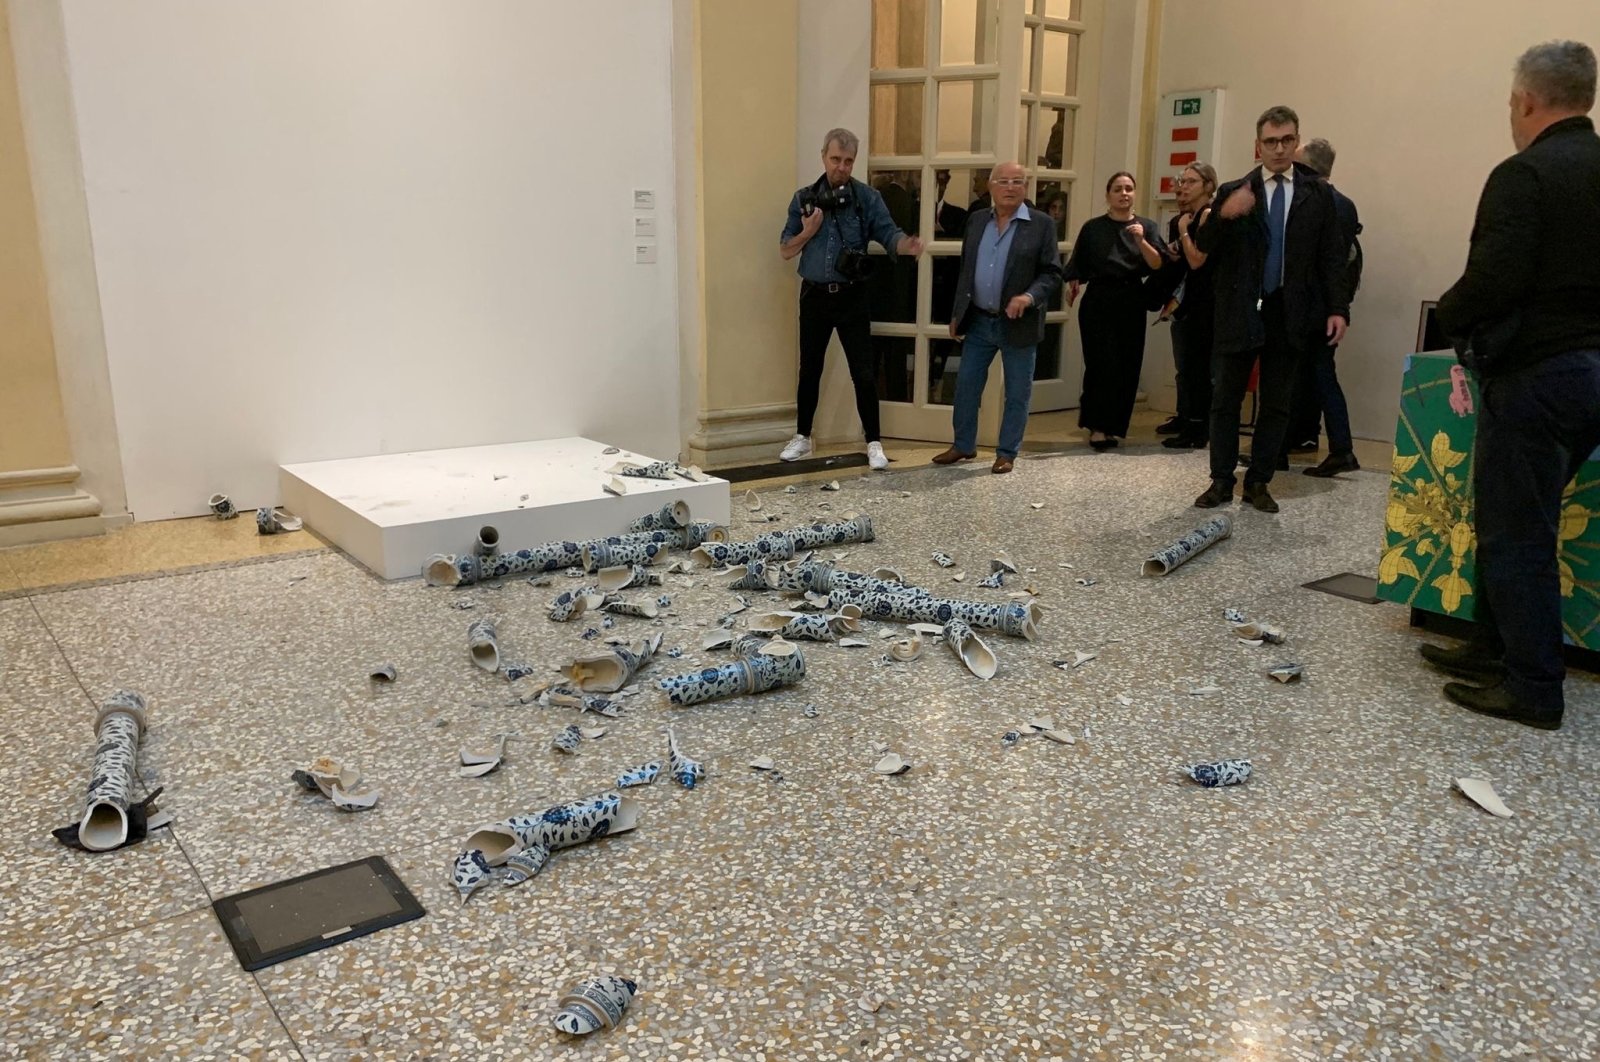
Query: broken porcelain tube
[
  {"x": 776, "y": 546},
  {"x": 756, "y": 575},
  {"x": 684, "y": 770},
  {"x": 1015, "y": 618},
  {"x": 570, "y": 603},
  {"x": 969, "y": 649},
  {"x": 778, "y": 663},
  {"x": 118, "y": 728},
  {"x": 270, "y": 521},
  {"x": 447, "y": 569},
  {"x": 675, "y": 515},
  {"x": 626, "y": 577},
  {"x": 488, "y": 543},
  {"x": 1188, "y": 547},
  {"x": 552, "y": 829},
  {"x": 624, "y": 550},
  {"x": 613, "y": 669},
  {"x": 222, "y": 507},
  {"x": 856, "y": 527},
  {"x": 483, "y": 644},
  {"x": 594, "y": 1004}
]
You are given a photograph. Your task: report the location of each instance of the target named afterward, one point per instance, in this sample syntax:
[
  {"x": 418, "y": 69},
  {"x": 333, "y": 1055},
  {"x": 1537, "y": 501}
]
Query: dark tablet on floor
[
  {"x": 1362, "y": 588},
  {"x": 291, "y": 918}
]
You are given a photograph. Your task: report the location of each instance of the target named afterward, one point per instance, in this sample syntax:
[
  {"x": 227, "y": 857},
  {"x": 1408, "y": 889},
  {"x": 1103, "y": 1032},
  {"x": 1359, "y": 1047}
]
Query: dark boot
[
  {"x": 1256, "y": 494},
  {"x": 1497, "y": 702},
  {"x": 1471, "y": 661},
  {"x": 1334, "y": 464},
  {"x": 1219, "y": 493}
]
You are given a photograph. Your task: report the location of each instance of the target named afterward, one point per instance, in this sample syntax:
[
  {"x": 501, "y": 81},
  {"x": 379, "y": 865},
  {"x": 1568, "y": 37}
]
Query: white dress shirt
[{"x": 1288, "y": 191}]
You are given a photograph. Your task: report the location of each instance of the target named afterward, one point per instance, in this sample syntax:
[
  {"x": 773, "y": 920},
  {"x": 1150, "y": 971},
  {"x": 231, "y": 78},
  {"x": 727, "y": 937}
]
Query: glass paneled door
[{"x": 958, "y": 86}]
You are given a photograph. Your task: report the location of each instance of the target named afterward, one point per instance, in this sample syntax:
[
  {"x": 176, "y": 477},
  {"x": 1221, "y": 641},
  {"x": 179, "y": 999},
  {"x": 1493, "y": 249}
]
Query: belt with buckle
[{"x": 831, "y": 287}]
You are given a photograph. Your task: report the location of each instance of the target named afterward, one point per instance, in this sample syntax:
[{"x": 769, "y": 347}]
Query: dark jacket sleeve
[
  {"x": 1048, "y": 281},
  {"x": 1073, "y": 270},
  {"x": 1217, "y": 230},
  {"x": 1333, "y": 256},
  {"x": 1503, "y": 255}
]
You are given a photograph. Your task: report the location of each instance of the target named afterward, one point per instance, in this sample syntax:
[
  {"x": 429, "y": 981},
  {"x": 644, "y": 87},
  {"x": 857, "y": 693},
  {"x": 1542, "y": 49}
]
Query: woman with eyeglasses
[
  {"x": 1112, "y": 255},
  {"x": 1191, "y": 320}
]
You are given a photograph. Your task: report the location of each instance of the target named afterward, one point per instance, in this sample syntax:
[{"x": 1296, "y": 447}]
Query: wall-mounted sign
[{"x": 1188, "y": 129}]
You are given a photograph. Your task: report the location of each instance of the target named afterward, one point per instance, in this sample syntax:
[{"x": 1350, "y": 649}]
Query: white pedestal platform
[{"x": 393, "y": 511}]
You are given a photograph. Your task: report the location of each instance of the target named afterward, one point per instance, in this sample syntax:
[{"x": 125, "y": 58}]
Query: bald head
[{"x": 1006, "y": 170}]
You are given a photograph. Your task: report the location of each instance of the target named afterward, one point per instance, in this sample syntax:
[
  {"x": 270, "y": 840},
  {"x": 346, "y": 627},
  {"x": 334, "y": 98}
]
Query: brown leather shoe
[
  {"x": 1002, "y": 465},
  {"x": 951, "y": 456}
]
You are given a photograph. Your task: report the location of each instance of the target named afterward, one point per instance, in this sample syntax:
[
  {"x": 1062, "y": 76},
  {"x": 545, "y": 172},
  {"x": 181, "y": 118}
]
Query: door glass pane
[
  {"x": 896, "y": 357},
  {"x": 962, "y": 189},
  {"x": 944, "y": 360},
  {"x": 896, "y": 120},
  {"x": 1060, "y": 61},
  {"x": 1057, "y": 128},
  {"x": 946, "y": 275},
  {"x": 968, "y": 31},
  {"x": 1029, "y": 82},
  {"x": 902, "y": 194},
  {"x": 1052, "y": 199},
  {"x": 967, "y": 116},
  {"x": 1061, "y": 8},
  {"x": 899, "y": 34},
  {"x": 892, "y": 289}
]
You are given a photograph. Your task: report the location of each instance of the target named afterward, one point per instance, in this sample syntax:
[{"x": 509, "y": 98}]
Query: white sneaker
[
  {"x": 799, "y": 446},
  {"x": 876, "y": 458}
]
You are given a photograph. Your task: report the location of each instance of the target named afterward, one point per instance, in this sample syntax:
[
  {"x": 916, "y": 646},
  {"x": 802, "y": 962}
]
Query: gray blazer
[{"x": 1033, "y": 267}]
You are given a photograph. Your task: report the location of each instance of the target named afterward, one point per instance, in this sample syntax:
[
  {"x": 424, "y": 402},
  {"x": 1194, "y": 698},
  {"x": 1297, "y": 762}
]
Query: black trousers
[
  {"x": 1536, "y": 429},
  {"x": 1230, "y": 376},
  {"x": 1112, "y": 324},
  {"x": 1191, "y": 349},
  {"x": 849, "y": 311}
]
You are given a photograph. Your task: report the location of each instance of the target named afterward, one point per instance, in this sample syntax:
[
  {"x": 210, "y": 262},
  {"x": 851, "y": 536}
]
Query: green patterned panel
[{"x": 1429, "y": 556}]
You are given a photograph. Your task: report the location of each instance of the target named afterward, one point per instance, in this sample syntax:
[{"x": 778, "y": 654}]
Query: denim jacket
[{"x": 840, "y": 229}]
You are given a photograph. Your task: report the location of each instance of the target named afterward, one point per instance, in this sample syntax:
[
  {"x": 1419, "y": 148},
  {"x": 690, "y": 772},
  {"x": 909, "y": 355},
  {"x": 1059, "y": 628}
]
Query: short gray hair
[
  {"x": 844, "y": 138},
  {"x": 1319, "y": 156},
  {"x": 1560, "y": 74}
]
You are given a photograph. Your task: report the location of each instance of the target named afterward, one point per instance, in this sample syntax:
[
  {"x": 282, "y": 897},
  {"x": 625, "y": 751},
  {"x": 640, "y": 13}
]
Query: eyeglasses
[
  {"x": 1190, "y": 180},
  {"x": 1274, "y": 143},
  {"x": 1010, "y": 182}
]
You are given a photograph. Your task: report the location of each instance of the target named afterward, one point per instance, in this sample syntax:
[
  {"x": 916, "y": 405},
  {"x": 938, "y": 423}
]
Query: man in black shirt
[{"x": 1526, "y": 318}]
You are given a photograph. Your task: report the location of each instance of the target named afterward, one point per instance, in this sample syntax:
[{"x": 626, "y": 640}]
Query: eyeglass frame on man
[
  {"x": 1279, "y": 143},
  {"x": 1010, "y": 182}
]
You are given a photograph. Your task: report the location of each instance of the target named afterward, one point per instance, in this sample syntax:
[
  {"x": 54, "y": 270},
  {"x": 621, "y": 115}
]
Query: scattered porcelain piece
[
  {"x": 615, "y": 486},
  {"x": 943, "y": 559},
  {"x": 718, "y": 639},
  {"x": 959, "y": 577},
  {"x": 809, "y": 711},
  {"x": 995, "y": 581},
  {"x": 462, "y": 606},
  {"x": 643, "y": 774},
  {"x": 1189, "y": 546},
  {"x": 1002, "y": 562},
  {"x": 685, "y": 771},
  {"x": 383, "y": 673},
  {"x": 871, "y": 1002},
  {"x": 611, "y": 450},
  {"x": 1036, "y": 505},
  {"x": 592, "y": 733},
  {"x": 595, "y": 1004},
  {"x": 1287, "y": 672},
  {"x": 762, "y": 763},
  {"x": 1205, "y": 691},
  {"x": 977, "y": 657},
  {"x": 892, "y": 764},
  {"x": 270, "y": 521},
  {"x": 1235, "y": 616},
  {"x": 1257, "y": 632},
  {"x": 1059, "y": 736},
  {"x": 854, "y": 643},
  {"x": 1010, "y": 738},
  {"x": 1481, "y": 792},
  {"x": 1044, "y": 722},
  {"x": 832, "y": 484},
  {"x": 1220, "y": 773},
  {"x": 752, "y": 501},
  {"x": 1124, "y": 700},
  {"x": 483, "y": 644},
  {"x": 906, "y": 650},
  {"x": 791, "y": 489},
  {"x": 567, "y": 740},
  {"x": 478, "y": 764}
]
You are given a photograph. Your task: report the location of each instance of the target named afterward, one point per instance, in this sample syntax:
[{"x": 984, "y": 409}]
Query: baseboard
[
  {"x": 39, "y": 504},
  {"x": 740, "y": 436}
]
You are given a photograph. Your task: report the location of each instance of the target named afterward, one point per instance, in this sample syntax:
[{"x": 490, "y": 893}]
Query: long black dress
[{"x": 1112, "y": 320}]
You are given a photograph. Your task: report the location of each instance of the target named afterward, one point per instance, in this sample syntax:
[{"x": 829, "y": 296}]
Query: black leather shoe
[
  {"x": 1334, "y": 464},
  {"x": 1466, "y": 661},
  {"x": 1185, "y": 442},
  {"x": 1219, "y": 493},
  {"x": 1170, "y": 426},
  {"x": 1256, "y": 494},
  {"x": 1496, "y": 701}
]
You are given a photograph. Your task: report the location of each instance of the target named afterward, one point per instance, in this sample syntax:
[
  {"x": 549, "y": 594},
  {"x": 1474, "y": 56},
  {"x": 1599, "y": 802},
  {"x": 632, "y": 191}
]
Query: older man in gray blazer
[{"x": 1010, "y": 269}]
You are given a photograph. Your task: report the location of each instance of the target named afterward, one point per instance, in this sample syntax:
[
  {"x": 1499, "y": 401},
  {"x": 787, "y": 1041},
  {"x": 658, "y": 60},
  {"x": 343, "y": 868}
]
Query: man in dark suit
[
  {"x": 1526, "y": 316},
  {"x": 1278, "y": 277},
  {"x": 1010, "y": 270},
  {"x": 1317, "y": 394}
]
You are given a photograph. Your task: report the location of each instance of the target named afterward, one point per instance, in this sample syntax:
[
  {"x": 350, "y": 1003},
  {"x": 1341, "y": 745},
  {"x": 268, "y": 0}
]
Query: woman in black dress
[{"x": 1112, "y": 255}]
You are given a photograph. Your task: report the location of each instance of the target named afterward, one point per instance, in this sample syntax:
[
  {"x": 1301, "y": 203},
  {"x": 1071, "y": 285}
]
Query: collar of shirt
[
  {"x": 1288, "y": 179},
  {"x": 1022, "y": 214}
]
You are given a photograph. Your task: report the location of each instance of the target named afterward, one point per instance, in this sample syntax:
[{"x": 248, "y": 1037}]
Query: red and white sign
[{"x": 1188, "y": 126}]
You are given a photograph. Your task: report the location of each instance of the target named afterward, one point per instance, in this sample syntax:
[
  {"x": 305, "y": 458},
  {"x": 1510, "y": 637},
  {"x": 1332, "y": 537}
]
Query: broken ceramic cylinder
[
  {"x": 526, "y": 863},
  {"x": 969, "y": 649},
  {"x": 568, "y": 739},
  {"x": 570, "y": 603},
  {"x": 856, "y": 527},
  {"x": 1222, "y": 772},
  {"x": 222, "y": 507},
  {"x": 748, "y": 645},
  {"x": 594, "y": 1004},
  {"x": 777, "y": 663},
  {"x": 118, "y": 727},
  {"x": 803, "y": 625},
  {"x": 756, "y": 575},
  {"x": 647, "y": 610},
  {"x": 777, "y": 546},
  {"x": 488, "y": 543},
  {"x": 629, "y": 551},
  {"x": 674, "y": 515},
  {"x": 483, "y": 644},
  {"x": 906, "y": 605},
  {"x": 554, "y": 828},
  {"x": 650, "y": 470},
  {"x": 270, "y": 521},
  {"x": 626, "y": 577},
  {"x": 643, "y": 774},
  {"x": 685, "y": 770},
  {"x": 613, "y": 669},
  {"x": 448, "y": 569},
  {"x": 1189, "y": 546}
]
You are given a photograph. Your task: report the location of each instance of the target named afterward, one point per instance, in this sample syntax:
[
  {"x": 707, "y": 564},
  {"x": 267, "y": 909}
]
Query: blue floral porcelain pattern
[
  {"x": 567, "y": 740},
  {"x": 756, "y": 672},
  {"x": 483, "y": 644},
  {"x": 554, "y": 828},
  {"x": 685, "y": 771},
  {"x": 662, "y": 519},
  {"x": 594, "y": 1004},
  {"x": 643, "y": 774},
  {"x": 1222, "y": 772},
  {"x": 118, "y": 728},
  {"x": 1189, "y": 546}
]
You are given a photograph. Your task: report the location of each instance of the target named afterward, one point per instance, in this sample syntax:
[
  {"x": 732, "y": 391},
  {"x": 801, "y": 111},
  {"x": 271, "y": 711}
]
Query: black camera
[
  {"x": 853, "y": 264},
  {"x": 827, "y": 200}
]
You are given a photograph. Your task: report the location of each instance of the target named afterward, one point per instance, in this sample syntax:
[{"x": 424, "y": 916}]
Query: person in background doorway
[
  {"x": 1277, "y": 272},
  {"x": 1192, "y": 319},
  {"x": 1009, "y": 270},
  {"x": 1526, "y": 317},
  {"x": 1317, "y": 394},
  {"x": 830, "y": 222},
  {"x": 1113, "y": 254}
]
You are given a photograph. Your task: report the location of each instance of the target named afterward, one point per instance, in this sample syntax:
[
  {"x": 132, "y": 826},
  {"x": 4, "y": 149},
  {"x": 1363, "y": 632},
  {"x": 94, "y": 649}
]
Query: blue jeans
[
  {"x": 1536, "y": 428},
  {"x": 986, "y": 337}
]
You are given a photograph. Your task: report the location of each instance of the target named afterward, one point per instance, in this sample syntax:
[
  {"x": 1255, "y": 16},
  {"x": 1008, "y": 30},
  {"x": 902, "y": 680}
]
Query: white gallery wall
[
  {"x": 330, "y": 230},
  {"x": 1413, "y": 97}
]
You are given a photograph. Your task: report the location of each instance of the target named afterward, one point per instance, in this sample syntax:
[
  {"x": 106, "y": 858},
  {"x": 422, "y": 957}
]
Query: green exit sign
[{"x": 1180, "y": 108}]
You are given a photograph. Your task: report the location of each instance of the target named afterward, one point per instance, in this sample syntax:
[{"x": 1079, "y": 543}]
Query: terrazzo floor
[{"x": 1029, "y": 901}]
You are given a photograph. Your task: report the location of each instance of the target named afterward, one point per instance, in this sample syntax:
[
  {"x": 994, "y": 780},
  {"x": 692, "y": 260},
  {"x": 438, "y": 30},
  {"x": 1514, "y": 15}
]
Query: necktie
[{"x": 1273, "y": 278}]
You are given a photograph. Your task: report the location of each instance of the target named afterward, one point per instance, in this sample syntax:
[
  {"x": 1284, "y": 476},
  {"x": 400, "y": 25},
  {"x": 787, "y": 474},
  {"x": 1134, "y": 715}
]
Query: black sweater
[{"x": 1534, "y": 250}]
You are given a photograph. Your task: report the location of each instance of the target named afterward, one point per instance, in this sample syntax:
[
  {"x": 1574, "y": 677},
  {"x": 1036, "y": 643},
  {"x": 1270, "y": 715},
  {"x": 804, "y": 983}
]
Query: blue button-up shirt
[
  {"x": 994, "y": 248},
  {"x": 840, "y": 229}
]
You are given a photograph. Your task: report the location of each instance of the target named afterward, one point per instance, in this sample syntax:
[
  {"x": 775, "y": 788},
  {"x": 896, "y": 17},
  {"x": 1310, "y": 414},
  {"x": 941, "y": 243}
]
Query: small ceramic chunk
[
  {"x": 995, "y": 581},
  {"x": 568, "y": 739},
  {"x": 383, "y": 673},
  {"x": 891, "y": 764},
  {"x": 685, "y": 771},
  {"x": 1481, "y": 792},
  {"x": 478, "y": 764},
  {"x": 483, "y": 644},
  {"x": 832, "y": 484},
  {"x": 270, "y": 521},
  {"x": 871, "y": 1002},
  {"x": 643, "y": 774},
  {"x": 615, "y": 486},
  {"x": 1220, "y": 773},
  {"x": 1002, "y": 562},
  {"x": 337, "y": 782},
  {"x": 977, "y": 657},
  {"x": 595, "y": 1004},
  {"x": 1287, "y": 672},
  {"x": 943, "y": 559},
  {"x": 762, "y": 763},
  {"x": 906, "y": 650}
]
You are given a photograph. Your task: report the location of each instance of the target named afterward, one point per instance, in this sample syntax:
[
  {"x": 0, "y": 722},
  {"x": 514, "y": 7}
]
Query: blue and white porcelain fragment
[
  {"x": 595, "y": 1004},
  {"x": 1220, "y": 773},
  {"x": 1189, "y": 546}
]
